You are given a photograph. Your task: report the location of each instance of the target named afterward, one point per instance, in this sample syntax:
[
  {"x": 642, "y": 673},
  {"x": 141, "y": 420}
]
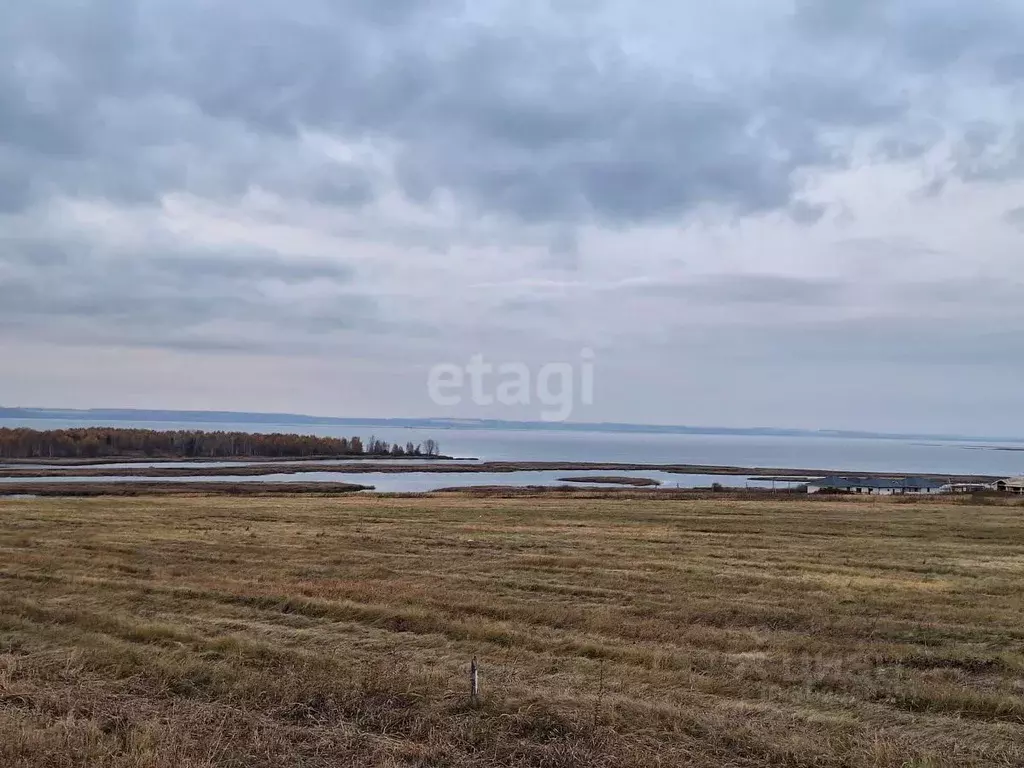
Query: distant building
[
  {"x": 1010, "y": 485},
  {"x": 966, "y": 488},
  {"x": 877, "y": 486}
]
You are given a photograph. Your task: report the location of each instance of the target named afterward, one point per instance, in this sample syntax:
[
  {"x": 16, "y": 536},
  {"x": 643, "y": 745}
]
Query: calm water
[
  {"x": 825, "y": 453},
  {"x": 411, "y": 482}
]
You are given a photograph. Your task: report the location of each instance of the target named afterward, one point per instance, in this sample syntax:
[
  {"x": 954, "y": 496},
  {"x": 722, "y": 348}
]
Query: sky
[{"x": 750, "y": 212}]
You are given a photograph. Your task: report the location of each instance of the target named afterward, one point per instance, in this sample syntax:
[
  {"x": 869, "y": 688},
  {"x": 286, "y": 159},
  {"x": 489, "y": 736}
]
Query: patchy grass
[{"x": 303, "y": 631}]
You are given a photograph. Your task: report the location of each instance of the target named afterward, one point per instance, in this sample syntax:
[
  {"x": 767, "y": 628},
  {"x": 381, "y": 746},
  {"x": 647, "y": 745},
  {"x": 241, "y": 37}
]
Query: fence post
[{"x": 474, "y": 681}]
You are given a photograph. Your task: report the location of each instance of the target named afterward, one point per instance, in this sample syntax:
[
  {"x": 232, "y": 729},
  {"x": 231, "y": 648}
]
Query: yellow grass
[{"x": 299, "y": 631}]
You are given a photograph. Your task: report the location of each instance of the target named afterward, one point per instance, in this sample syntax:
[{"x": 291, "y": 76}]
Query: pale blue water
[
  {"x": 824, "y": 453},
  {"x": 417, "y": 482}
]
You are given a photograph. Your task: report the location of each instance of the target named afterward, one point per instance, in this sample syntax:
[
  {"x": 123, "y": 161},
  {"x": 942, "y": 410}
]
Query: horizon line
[{"x": 49, "y": 413}]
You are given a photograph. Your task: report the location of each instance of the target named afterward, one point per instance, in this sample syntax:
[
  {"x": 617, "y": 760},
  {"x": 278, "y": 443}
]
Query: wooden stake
[{"x": 474, "y": 681}]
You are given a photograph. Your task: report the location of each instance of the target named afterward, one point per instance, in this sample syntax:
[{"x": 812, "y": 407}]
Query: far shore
[{"x": 184, "y": 461}]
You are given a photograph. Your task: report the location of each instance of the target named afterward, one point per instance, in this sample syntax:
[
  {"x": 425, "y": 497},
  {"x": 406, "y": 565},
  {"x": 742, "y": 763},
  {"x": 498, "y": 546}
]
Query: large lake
[
  {"x": 825, "y": 453},
  {"x": 417, "y": 482}
]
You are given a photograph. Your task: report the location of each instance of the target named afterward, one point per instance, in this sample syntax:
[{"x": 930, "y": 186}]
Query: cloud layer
[{"x": 385, "y": 185}]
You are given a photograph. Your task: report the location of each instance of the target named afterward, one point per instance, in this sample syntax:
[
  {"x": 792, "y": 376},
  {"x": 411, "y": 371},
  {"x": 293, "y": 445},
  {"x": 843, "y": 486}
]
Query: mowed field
[{"x": 304, "y": 631}]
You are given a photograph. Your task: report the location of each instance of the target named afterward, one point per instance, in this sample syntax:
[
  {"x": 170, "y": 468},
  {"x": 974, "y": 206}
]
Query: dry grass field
[{"x": 303, "y": 631}]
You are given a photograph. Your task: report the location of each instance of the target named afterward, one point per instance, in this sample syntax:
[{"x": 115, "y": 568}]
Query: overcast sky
[{"x": 754, "y": 212}]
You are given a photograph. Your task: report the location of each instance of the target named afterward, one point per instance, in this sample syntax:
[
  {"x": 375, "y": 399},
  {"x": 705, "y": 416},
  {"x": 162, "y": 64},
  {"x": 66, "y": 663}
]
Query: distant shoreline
[
  {"x": 130, "y": 444},
  {"x": 118, "y": 416},
  {"x": 185, "y": 461}
]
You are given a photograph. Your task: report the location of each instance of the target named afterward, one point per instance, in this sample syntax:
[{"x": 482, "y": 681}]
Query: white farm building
[{"x": 877, "y": 486}]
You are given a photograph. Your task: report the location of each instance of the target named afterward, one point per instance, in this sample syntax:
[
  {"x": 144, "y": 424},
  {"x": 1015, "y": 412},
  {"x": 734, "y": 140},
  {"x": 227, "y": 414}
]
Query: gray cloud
[
  {"x": 247, "y": 267},
  {"x": 723, "y": 290},
  {"x": 942, "y": 53},
  {"x": 163, "y": 297},
  {"x": 1015, "y": 216},
  {"x": 931, "y": 35},
  {"x": 874, "y": 343},
  {"x": 990, "y": 152},
  {"x": 538, "y": 118}
]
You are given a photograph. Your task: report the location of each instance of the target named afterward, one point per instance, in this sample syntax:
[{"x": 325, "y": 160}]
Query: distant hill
[{"x": 113, "y": 416}]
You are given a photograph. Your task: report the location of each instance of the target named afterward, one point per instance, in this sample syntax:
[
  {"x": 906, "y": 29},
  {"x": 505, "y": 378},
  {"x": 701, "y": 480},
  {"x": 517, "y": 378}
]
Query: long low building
[
  {"x": 878, "y": 486},
  {"x": 967, "y": 488},
  {"x": 1010, "y": 485}
]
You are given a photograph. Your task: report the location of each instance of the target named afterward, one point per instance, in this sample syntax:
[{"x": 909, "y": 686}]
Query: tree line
[{"x": 107, "y": 442}]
